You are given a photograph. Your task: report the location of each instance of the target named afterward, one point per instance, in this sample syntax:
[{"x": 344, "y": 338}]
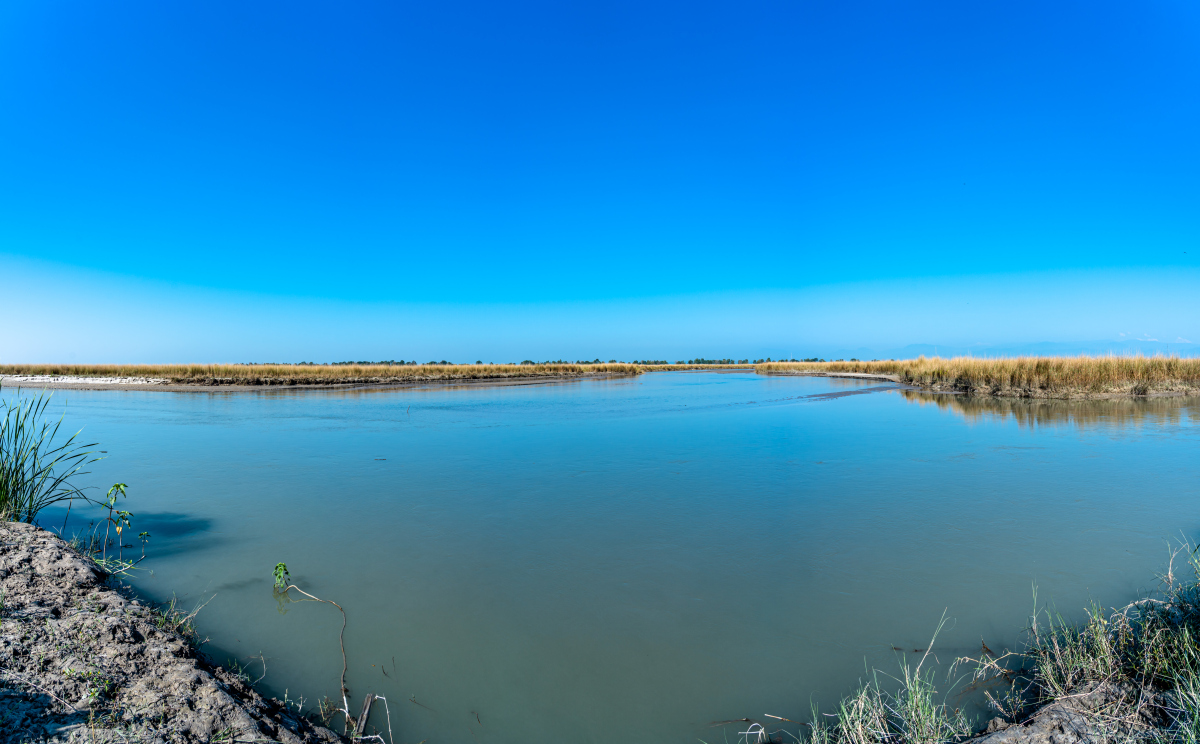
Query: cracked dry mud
[{"x": 81, "y": 662}]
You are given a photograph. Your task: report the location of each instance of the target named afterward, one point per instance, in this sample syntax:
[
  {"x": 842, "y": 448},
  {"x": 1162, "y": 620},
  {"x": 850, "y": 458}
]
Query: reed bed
[
  {"x": 1044, "y": 377},
  {"x": 37, "y": 465},
  {"x": 315, "y": 374},
  {"x": 1127, "y": 675},
  {"x": 1138, "y": 664},
  {"x": 902, "y": 709},
  {"x": 686, "y": 367}
]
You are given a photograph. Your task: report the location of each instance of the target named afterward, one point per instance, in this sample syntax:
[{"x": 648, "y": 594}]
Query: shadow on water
[
  {"x": 1030, "y": 413},
  {"x": 169, "y": 530}
]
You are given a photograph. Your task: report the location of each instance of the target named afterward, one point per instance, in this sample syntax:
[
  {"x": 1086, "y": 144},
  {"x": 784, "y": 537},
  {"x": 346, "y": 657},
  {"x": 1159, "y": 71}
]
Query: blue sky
[{"x": 283, "y": 181}]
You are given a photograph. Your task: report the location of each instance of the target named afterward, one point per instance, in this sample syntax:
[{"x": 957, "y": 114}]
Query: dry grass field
[
  {"x": 317, "y": 374},
  {"x": 1038, "y": 377}
]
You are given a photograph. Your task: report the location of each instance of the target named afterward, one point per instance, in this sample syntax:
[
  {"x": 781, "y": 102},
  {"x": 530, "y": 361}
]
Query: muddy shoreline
[{"x": 82, "y": 659}]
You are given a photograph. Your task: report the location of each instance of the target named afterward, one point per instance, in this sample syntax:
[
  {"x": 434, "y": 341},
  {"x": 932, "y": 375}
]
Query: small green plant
[
  {"x": 115, "y": 517},
  {"x": 144, "y": 537},
  {"x": 236, "y": 669},
  {"x": 239, "y": 670},
  {"x": 326, "y": 710},
  {"x": 170, "y": 618},
  {"x": 98, "y": 684},
  {"x": 289, "y": 704},
  {"x": 282, "y": 578}
]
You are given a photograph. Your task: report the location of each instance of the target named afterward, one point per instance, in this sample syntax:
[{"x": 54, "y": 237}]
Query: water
[{"x": 630, "y": 560}]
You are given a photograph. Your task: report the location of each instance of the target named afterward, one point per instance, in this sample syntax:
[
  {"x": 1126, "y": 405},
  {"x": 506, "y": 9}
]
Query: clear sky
[{"x": 232, "y": 181}]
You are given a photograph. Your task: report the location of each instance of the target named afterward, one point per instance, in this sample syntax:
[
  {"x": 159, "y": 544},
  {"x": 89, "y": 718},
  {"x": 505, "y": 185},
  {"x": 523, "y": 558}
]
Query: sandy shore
[{"x": 64, "y": 381}]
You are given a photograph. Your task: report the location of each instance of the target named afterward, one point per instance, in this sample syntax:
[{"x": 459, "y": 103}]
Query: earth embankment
[{"x": 81, "y": 660}]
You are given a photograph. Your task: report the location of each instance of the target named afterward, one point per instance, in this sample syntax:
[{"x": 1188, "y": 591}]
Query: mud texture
[
  {"x": 81, "y": 661},
  {"x": 1095, "y": 713}
]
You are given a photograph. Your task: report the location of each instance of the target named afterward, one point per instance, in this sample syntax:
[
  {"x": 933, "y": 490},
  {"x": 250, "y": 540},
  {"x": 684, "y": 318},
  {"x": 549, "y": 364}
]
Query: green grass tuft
[{"x": 37, "y": 467}]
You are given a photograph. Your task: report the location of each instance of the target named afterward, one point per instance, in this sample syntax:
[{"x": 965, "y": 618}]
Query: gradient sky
[{"x": 224, "y": 181}]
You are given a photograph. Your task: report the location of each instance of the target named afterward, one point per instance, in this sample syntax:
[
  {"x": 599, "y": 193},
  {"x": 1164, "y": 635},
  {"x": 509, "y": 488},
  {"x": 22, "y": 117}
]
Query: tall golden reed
[
  {"x": 317, "y": 374},
  {"x": 1025, "y": 375}
]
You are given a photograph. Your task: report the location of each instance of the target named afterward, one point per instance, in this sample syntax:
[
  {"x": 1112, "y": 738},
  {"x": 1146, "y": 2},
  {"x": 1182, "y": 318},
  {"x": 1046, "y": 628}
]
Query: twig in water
[
  {"x": 192, "y": 615},
  {"x": 389, "y": 716},
  {"x": 282, "y": 587}
]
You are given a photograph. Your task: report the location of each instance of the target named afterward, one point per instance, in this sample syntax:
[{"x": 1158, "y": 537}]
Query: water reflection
[{"x": 1032, "y": 413}]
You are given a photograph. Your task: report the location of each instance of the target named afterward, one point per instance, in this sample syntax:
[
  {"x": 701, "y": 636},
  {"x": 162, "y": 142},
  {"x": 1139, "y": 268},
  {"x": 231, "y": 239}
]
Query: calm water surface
[{"x": 630, "y": 560}]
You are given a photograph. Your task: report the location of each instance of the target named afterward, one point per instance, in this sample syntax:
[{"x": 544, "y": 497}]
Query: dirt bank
[
  {"x": 1090, "y": 715},
  {"x": 79, "y": 661}
]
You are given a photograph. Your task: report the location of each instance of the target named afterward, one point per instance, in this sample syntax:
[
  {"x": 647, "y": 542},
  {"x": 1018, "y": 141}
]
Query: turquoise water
[{"x": 630, "y": 560}]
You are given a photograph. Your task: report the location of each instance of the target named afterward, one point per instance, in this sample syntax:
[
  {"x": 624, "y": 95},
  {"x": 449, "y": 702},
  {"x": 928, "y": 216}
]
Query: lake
[{"x": 631, "y": 559}]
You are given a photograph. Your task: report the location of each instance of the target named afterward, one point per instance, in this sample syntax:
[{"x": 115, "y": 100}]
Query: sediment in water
[{"x": 82, "y": 660}]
